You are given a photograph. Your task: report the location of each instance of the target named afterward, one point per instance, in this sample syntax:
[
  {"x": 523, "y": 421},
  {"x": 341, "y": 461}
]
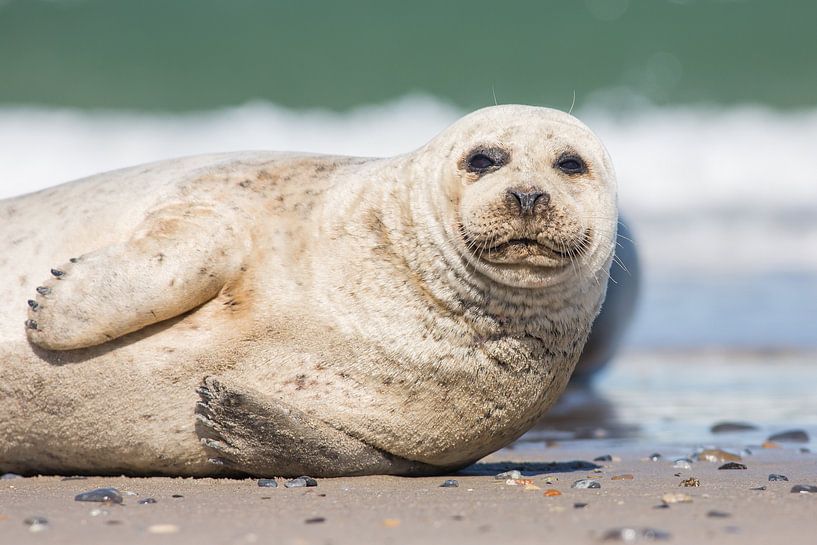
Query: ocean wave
[{"x": 726, "y": 189}]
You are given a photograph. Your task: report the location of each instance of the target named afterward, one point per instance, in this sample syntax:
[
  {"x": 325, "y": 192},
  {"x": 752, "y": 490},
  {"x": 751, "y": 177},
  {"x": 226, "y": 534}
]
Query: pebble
[
  {"x": 718, "y": 514},
  {"x": 805, "y": 450},
  {"x": 36, "y": 524},
  {"x": 146, "y": 501},
  {"x": 777, "y": 477},
  {"x": 631, "y": 535},
  {"x": 718, "y": 455},
  {"x": 676, "y": 498},
  {"x": 732, "y": 465},
  {"x": 692, "y": 481},
  {"x": 267, "y": 483},
  {"x": 99, "y": 512},
  {"x": 531, "y": 487},
  {"x": 315, "y": 520},
  {"x": 450, "y": 483},
  {"x": 804, "y": 489},
  {"x": 624, "y": 477},
  {"x": 729, "y": 427},
  {"x": 758, "y": 488},
  {"x": 176, "y": 496},
  {"x": 790, "y": 436},
  {"x": 586, "y": 483},
  {"x": 579, "y": 505},
  {"x": 9, "y": 476},
  {"x": 110, "y": 495},
  {"x": 769, "y": 444},
  {"x": 515, "y": 474},
  {"x": 552, "y": 492},
  {"x": 655, "y": 457},
  {"x": 301, "y": 482},
  {"x": 682, "y": 463},
  {"x": 603, "y": 458},
  {"x": 163, "y": 529}
]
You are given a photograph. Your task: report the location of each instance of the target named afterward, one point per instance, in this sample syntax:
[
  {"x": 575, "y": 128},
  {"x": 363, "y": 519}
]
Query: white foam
[{"x": 727, "y": 189}]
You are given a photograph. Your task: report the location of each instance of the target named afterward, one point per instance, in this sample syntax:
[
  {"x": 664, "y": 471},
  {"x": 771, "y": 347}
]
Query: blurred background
[{"x": 708, "y": 107}]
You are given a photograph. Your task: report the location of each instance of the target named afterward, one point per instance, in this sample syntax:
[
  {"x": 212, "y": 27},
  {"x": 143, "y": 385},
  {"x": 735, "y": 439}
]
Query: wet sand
[{"x": 625, "y": 418}]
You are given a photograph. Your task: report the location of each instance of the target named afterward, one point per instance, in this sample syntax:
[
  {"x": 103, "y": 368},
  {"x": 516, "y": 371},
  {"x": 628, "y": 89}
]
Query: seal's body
[{"x": 278, "y": 314}]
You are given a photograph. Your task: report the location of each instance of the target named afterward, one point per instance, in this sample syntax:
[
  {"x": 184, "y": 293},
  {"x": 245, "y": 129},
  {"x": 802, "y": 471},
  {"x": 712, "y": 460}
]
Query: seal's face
[{"x": 534, "y": 196}]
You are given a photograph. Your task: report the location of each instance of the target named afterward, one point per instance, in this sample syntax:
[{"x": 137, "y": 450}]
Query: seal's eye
[
  {"x": 571, "y": 164},
  {"x": 484, "y": 159},
  {"x": 480, "y": 161}
]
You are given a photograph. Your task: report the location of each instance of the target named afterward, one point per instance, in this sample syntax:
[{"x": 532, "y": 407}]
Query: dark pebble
[
  {"x": 8, "y": 476},
  {"x": 604, "y": 458},
  {"x": 74, "y": 478},
  {"x": 729, "y": 427},
  {"x": 804, "y": 489},
  {"x": 110, "y": 495},
  {"x": 631, "y": 535},
  {"x": 315, "y": 520},
  {"x": 113, "y": 522},
  {"x": 805, "y": 450},
  {"x": 32, "y": 521},
  {"x": 655, "y": 457},
  {"x": 758, "y": 488},
  {"x": 146, "y": 501},
  {"x": 718, "y": 514},
  {"x": 732, "y": 465},
  {"x": 268, "y": 483},
  {"x": 789, "y": 436},
  {"x": 579, "y": 505},
  {"x": 176, "y": 496},
  {"x": 450, "y": 483},
  {"x": 777, "y": 477}
]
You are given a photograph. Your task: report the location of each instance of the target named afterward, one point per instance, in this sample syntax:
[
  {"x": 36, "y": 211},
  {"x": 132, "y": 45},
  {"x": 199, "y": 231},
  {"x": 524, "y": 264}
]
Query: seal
[{"x": 281, "y": 314}]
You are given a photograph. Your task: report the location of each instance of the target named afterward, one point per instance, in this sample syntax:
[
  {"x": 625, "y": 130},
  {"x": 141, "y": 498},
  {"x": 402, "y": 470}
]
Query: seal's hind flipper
[
  {"x": 178, "y": 258},
  {"x": 265, "y": 437}
]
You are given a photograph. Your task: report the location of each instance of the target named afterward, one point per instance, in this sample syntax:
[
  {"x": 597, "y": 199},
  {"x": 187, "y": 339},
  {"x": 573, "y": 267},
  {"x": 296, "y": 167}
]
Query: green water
[{"x": 196, "y": 54}]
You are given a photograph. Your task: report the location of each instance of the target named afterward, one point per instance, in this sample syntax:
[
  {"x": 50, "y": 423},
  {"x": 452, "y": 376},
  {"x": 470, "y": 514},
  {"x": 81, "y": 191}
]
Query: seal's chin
[{"x": 525, "y": 251}]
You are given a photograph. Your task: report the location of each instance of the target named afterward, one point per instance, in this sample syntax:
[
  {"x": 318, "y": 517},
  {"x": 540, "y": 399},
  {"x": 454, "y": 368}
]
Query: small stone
[
  {"x": 9, "y": 476},
  {"x": 36, "y": 524},
  {"x": 524, "y": 482},
  {"x": 730, "y": 427},
  {"x": 655, "y": 457},
  {"x": 99, "y": 512},
  {"x": 790, "y": 436},
  {"x": 391, "y": 523},
  {"x": 804, "y": 489},
  {"x": 146, "y": 501},
  {"x": 163, "y": 529},
  {"x": 315, "y": 520},
  {"x": 623, "y": 477},
  {"x": 131, "y": 493},
  {"x": 109, "y": 495},
  {"x": 805, "y": 450},
  {"x": 579, "y": 505},
  {"x": 176, "y": 496},
  {"x": 758, "y": 488},
  {"x": 301, "y": 482},
  {"x": 514, "y": 474},
  {"x": 113, "y": 522},
  {"x": 769, "y": 444},
  {"x": 676, "y": 498},
  {"x": 267, "y": 483},
  {"x": 732, "y": 465},
  {"x": 604, "y": 458},
  {"x": 777, "y": 477},
  {"x": 531, "y": 487},
  {"x": 450, "y": 483},
  {"x": 631, "y": 535},
  {"x": 74, "y": 478},
  {"x": 682, "y": 463},
  {"x": 718, "y": 514},
  {"x": 692, "y": 481},
  {"x": 586, "y": 483},
  {"x": 718, "y": 455},
  {"x": 552, "y": 493}
]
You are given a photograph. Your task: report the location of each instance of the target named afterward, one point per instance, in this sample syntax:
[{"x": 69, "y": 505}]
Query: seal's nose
[{"x": 528, "y": 199}]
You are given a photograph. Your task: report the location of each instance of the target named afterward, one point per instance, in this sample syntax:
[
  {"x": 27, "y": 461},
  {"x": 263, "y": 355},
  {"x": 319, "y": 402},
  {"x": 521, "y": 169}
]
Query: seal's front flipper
[
  {"x": 264, "y": 437},
  {"x": 179, "y": 258}
]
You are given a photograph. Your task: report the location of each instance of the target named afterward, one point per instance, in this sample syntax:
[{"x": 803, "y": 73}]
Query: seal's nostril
[{"x": 527, "y": 200}]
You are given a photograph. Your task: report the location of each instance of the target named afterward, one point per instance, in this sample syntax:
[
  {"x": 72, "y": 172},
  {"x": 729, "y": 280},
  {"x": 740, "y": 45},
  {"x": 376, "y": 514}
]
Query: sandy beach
[{"x": 729, "y": 506}]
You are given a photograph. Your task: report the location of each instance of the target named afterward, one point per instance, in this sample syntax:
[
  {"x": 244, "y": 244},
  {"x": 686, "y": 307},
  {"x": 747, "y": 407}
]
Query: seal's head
[{"x": 528, "y": 195}]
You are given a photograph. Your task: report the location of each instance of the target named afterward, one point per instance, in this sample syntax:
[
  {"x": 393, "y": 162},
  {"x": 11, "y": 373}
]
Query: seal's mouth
[{"x": 525, "y": 250}]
